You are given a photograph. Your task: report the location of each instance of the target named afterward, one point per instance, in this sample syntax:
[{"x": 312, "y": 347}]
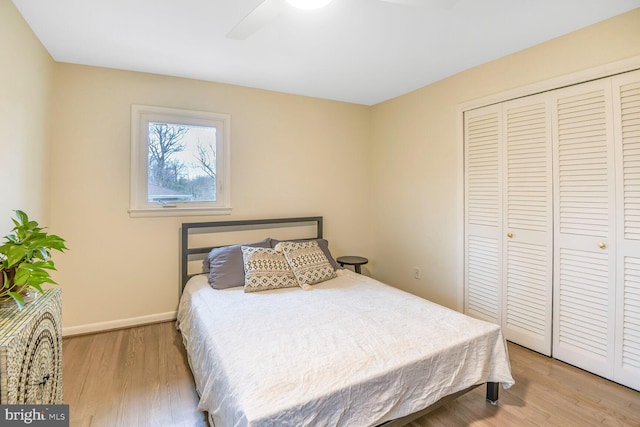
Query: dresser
[{"x": 31, "y": 351}]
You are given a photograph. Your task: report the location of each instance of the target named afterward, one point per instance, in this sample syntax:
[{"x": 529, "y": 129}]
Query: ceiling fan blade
[{"x": 265, "y": 12}]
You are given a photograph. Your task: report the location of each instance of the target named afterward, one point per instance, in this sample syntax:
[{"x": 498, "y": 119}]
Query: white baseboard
[{"x": 118, "y": 324}]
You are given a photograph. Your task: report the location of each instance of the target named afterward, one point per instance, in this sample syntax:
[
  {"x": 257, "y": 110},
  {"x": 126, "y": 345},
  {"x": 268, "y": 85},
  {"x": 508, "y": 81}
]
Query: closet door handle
[
  {"x": 509, "y": 235},
  {"x": 602, "y": 245}
]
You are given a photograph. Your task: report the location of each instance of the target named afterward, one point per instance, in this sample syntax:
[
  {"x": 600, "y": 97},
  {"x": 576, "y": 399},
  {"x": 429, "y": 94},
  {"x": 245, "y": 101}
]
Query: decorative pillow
[
  {"x": 265, "y": 269},
  {"x": 307, "y": 261},
  {"x": 324, "y": 245},
  {"x": 226, "y": 267}
]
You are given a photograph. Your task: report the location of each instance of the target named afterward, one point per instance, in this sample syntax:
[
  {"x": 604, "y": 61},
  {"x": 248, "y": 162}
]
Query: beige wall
[
  {"x": 25, "y": 76},
  {"x": 415, "y": 146},
  {"x": 291, "y": 156}
]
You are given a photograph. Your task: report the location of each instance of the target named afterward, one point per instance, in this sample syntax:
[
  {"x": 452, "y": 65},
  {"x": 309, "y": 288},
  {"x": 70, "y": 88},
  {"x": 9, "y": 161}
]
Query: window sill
[{"x": 181, "y": 211}]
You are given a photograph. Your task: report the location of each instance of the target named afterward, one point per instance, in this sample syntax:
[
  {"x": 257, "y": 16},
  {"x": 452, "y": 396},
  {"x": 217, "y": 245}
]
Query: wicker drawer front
[{"x": 31, "y": 352}]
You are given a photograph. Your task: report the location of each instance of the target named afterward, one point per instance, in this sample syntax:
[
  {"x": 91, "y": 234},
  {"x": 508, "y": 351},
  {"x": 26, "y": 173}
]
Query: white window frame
[{"x": 141, "y": 116}]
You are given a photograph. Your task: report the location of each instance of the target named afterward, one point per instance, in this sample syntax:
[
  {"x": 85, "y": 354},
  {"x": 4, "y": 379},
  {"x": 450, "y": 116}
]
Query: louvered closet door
[
  {"x": 483, "y": 213},
  {"x": 626, "y": 99},
  {"x": 528, "y": 222},
  {"x": 584, "y": 213}
]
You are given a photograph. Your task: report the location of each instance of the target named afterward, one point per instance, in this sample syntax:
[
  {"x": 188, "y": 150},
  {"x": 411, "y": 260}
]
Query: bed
[{"x": 346, "y": 351}]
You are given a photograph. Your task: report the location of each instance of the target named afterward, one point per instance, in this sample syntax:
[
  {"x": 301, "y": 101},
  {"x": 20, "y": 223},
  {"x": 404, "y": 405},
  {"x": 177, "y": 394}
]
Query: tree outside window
[{"x": 181, "y": 163}]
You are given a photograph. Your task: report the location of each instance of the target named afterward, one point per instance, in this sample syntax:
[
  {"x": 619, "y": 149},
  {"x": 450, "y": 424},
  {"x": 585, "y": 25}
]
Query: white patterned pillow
[
  {"x": 265, "y": 269},
  {"x": 307, "y": 261}
]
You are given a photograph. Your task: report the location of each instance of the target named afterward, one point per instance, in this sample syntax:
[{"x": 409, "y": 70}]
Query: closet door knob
[
  {"x": 509, "y": 235},
  {"x": 602, "y": 245}
]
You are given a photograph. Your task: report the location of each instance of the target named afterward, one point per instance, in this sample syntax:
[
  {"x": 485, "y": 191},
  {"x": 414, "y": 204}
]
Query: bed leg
[{"x": 492, "y": 393}]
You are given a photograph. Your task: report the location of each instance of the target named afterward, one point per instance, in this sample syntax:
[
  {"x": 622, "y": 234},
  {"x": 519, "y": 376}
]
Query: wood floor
[{"x": 140, "y": 377}]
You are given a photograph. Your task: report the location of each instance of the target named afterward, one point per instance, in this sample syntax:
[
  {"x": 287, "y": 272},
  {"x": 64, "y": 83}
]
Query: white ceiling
[{"x": 361, "y": 51}]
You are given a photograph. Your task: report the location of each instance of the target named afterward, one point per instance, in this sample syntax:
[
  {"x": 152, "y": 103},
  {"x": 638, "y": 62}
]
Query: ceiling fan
[{"x": 268, "y": 10}]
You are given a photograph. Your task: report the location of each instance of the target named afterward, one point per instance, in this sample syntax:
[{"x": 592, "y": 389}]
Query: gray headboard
[{"x": 189, "y": 229}]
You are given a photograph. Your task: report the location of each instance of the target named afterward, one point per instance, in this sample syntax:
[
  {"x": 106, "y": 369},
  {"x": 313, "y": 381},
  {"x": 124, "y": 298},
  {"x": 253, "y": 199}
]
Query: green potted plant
[{"x": 25, "y": 259}]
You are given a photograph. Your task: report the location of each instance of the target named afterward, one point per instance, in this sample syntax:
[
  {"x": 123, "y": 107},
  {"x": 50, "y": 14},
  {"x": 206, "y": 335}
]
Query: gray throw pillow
[{"x": 226, "y": 266}]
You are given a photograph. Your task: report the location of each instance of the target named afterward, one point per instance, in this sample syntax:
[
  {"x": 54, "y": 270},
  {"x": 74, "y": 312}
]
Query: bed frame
[{"x": 189, "y": 253}]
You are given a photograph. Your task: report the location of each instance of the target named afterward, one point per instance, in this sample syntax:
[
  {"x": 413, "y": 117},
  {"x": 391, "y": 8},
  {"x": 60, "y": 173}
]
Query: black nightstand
[{"x": 356, "y": 261}]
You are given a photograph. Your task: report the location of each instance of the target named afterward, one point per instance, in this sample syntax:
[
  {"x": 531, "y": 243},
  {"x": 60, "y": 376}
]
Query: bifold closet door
[
  {"x": 584, "y": 227},
  {"x": 528, "y": 222},
  {"x": 483, "y": 213},
  {"x": 626, "y": 99}
]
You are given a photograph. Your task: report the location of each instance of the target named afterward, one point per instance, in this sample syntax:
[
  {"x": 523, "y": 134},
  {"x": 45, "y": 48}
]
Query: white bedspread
[{"x": 349, "y": 352}]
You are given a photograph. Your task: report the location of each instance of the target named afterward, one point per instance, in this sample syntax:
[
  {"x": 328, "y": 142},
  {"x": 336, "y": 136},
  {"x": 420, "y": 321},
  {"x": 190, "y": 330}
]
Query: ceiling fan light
[{"x": 308, "y": 4}]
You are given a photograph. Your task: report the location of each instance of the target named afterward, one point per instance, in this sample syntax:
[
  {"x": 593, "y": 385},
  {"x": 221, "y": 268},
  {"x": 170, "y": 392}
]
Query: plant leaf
[
  {"x": 22, "y": 216},
  {"x": 5, "y": 283},
  {"x": 17, "y": 298},
  {"x": 37, "y": 287}
]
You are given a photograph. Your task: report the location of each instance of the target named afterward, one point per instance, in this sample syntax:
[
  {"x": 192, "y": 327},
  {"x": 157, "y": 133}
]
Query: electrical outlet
[{"x": 416, "y": 273}]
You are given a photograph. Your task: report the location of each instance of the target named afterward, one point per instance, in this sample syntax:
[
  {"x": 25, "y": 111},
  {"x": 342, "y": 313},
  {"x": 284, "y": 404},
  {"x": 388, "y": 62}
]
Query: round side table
[{"x": 356, "y": 261}]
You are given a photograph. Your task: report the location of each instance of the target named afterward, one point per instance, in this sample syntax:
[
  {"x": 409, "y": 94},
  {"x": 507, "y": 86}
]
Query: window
[{"x": 179, "y": 162}]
